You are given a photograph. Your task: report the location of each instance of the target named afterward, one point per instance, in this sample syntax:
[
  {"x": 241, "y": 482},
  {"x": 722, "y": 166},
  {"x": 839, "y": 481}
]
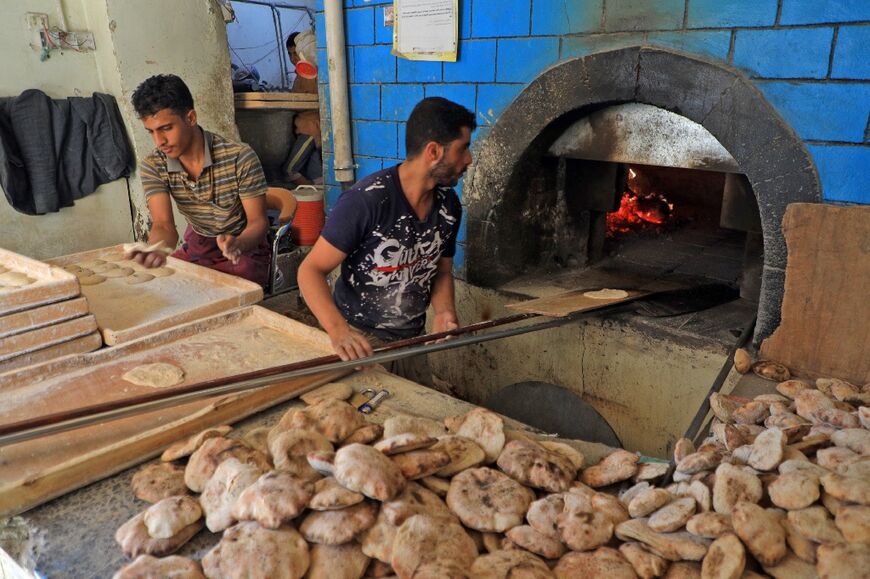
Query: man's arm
[
  {"x": 162, "y": 229},
  {"x": 323, "y": 258},
  {"x": 233, "y": 246},
  {"x": 443, "y": 297}
]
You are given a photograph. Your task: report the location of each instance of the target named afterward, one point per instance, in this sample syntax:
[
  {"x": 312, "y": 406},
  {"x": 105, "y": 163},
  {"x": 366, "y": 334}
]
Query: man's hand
[
  {"x": 350, "y": 344},
  {"x": 148, "y": 259},
  {"x": 228, "y": 244},
  {"x": 443, "y": 322}
]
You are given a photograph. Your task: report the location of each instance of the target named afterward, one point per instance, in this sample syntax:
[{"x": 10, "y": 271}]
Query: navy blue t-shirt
[{"x": 392, "y": 257}]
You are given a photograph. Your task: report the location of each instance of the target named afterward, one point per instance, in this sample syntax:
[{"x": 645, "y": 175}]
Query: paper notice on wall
[{"x": 426, "y": 29}]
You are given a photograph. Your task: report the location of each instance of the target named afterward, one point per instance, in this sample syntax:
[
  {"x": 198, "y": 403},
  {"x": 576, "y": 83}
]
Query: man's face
[
  {"x": 172, "y": 134},
  {"x": 294, "y": 56},
  {"x": 454, "y": 161}
]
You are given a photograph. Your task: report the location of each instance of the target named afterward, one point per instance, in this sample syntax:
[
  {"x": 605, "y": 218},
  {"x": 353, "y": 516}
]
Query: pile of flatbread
[{"x": 780, "y": 488}]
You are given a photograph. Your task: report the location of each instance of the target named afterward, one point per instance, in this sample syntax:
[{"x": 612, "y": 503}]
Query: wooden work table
[{"x": 76, "y": 531}]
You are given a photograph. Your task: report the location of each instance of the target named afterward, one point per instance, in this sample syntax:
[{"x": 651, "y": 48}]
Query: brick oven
[{"x": 693, "y": 142}]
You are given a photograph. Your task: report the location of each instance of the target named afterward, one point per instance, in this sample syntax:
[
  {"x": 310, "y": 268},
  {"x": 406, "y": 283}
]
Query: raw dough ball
[
  {"x": 118, "y": 272},
  {"x": 606, "y": 294},
  {"x": 159, "y": 375},
  {"x": 92, "y": 279},
  {"x": 138, "y": 277}
]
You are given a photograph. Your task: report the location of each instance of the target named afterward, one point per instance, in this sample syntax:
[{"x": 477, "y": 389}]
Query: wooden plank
[
  {"x": 825, "y": 311},
  {"x": 52, "y": 283},
  {"x": 278, "y": 105},
  {"x": 25, "y": 342},
  {"x": 40, "y": 316},
  {"x": 276, "y": 96},
  {"x": 89, "y": 343},
  {"x": 243, "y": 340},
  {"x": 127, "y": 312},
  {"x": 565, "y": 303}
]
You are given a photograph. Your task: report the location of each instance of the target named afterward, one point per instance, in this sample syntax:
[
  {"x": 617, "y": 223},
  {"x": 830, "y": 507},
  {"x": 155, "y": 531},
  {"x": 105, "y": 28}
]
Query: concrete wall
[
  {"x": 100, "y": 219},
  {"x": 807, "y": 57},
  {"x": 187, "y": 38}
]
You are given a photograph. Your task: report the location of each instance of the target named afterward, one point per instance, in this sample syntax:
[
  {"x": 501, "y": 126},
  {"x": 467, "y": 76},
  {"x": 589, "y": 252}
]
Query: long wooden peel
[{"x": 79, "y": 417}]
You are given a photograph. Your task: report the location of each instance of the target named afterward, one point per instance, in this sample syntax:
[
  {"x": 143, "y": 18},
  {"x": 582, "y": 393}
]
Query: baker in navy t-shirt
[{"x": 394, "y": 235}]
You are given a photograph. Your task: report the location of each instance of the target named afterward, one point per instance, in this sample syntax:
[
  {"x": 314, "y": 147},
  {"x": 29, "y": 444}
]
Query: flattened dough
[
  {"x": 138, "y": 277},
  {"x": 159, "y": 375},
  {"x": 118, "y": 272},
  {"x": 145, "y": 248},
  {"x": 92, "y": 279},
  {"x": 606, "y": 294},
  {"x": 160, "y": 271}
]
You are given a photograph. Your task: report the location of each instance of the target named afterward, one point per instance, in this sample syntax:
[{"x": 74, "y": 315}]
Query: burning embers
[{"x": 638, "y": 210}]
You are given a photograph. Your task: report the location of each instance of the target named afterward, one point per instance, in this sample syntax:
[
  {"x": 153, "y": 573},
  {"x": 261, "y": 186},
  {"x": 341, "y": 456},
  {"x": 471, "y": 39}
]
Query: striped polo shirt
[{"x": 212, "y": 203}]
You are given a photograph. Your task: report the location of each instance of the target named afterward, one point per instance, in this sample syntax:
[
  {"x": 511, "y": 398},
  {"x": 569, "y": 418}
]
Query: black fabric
[
  {"x": 13, "y": 173},
  {"x": 69, "y": 147}
]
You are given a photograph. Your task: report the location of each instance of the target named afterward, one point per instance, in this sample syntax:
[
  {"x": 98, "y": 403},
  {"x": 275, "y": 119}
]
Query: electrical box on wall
[{"x": 45, "y": 38}]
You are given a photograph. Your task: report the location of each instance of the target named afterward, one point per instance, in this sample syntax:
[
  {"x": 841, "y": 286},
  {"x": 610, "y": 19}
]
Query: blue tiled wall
[{"x": 808, "y": 57}]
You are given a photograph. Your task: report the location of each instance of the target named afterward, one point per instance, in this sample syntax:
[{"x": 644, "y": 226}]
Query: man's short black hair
[
  {"x": 162, "y": 91},
  {"x": 436, "y": 119},
  {"x": 291, "y": 40}
]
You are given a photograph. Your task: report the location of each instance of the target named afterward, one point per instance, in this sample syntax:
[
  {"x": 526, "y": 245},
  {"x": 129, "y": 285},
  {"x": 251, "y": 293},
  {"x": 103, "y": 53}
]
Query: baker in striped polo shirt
[{"x": 218, "y": 185}]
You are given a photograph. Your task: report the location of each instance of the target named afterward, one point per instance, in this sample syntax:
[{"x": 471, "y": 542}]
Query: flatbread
[
  {"x": 484, "y": 427},
  {"x": 166, "y": 518},
  {"x": 290, "y": 449},
  {"x": 377, "y": 542},
  {"x": 464, "y": 453},
  {"x": 334, "y": 419},
  {"x": 423, "y": 540},
  {"x": 403, "y": 424},
  {"x": 134, "y": 539},
  {"x": 90, "y": 279},
  {"x": 158, "y": 481},
  {"x": 160, "y": 271},
  {"x": 339, "y": 526},
  {"x": 365, "y": 435},
  {"x": 249, "y": 550},
  {"x": 415, "y": 500},
  {"x": 329, "y": 496},
  {"x": 535, "y": 466},
  {"x": 488, "y": 500},
  {"x": 333, "y": 390},
  {"x": 404, "y": 443},
  {"x": 337, "y": 562},
  {"x": 189, "y": 445},
  {"x": 421, "y": 463},
  {"x": 157, "y": 375},
  {"x": 203, "y": 462},
  {"x": 368, "y": 471},
  {"x": 222, "y": 491},
  {"x": 506, "y": 564},
  {"x": 536, "y": 542},
  {"x": 274, "y": 499},
  {"x": 606, "y": 294},
  {"x": 147, "y": 566}
]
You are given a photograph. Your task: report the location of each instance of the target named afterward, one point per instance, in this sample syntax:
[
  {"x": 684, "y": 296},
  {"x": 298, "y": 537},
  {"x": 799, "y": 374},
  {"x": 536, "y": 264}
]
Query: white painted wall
[
  {"x": 100, "y": 219},
  {"x": 134, "y": 41}
]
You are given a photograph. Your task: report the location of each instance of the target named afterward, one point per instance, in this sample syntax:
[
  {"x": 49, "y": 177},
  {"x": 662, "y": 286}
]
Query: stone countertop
[{"x": 74, "y": 535}]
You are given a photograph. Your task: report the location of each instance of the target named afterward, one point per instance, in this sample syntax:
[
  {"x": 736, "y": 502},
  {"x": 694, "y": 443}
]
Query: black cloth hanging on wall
[{"x": 56, "y": 151}]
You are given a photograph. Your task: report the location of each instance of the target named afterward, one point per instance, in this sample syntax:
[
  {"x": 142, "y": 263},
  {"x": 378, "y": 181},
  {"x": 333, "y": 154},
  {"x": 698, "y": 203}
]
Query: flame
[{"x": 637, "y": 211}]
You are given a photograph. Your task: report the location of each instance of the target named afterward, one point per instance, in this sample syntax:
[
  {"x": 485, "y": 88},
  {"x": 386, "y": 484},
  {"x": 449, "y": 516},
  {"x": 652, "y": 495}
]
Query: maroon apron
[{"x": 204, "y": 251}]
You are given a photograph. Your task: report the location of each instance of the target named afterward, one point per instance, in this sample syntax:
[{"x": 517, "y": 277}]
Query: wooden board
[
  {"x": 52, "y": 283},
  {"x": 29, "y": 341},
  {"x": 126, "y": 312},
  {"x": 560, "y": 305},
  {"x": 89, "y": 343},
  {"x": 825, "y": 327},
  {"x": 240, "y": 341},
  {"x": 41, "y": 316}
]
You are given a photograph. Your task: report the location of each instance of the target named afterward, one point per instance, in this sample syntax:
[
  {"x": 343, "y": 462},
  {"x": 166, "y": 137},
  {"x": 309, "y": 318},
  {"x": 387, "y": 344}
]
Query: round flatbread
[
  {"x": 158, "y": 481},
  {"x": 488, "y": 500},
  {"x": 415, "y": 500},
  {"x": 365, "y": 435},
  {"x": 535, "y": 466},
  {"x": 464, "y": 453},
  {"x": 367, "y": 470},
  {"x": 337, "y": 562},
  {"x": 150, "y": 566},
  {"x": 276, "y": 498},
  {"x": 222, "y": 491},
  {"x": 134, "y": 539},
  {"x": 203, "y": 462},
  {"x": 249, "y": 550},
  {"x": 330, "y": 496},
  {"x": 538, "y": 543},
  {"x": 339, "y": 526},
  {"x": 138, "y": 277},
  {"x": 484, "y": 427},
  {"x": 421, "y": 463},
  {"x": 167, "y": 517},
  {"x": 404, "y": 443},
  {"x": 334, "y": 419},
  {"x": 333, "y": 390},
  {"x": 403, "y": 423},
  {"x": 606, "y": 294},
  {"x": 290, "y": 449},
  {"x": 189, "y": 445},
  {"x": 505, "y": 564},
  {"x": 431, "y": 541},
  {"x": 157, "y": 375}
]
